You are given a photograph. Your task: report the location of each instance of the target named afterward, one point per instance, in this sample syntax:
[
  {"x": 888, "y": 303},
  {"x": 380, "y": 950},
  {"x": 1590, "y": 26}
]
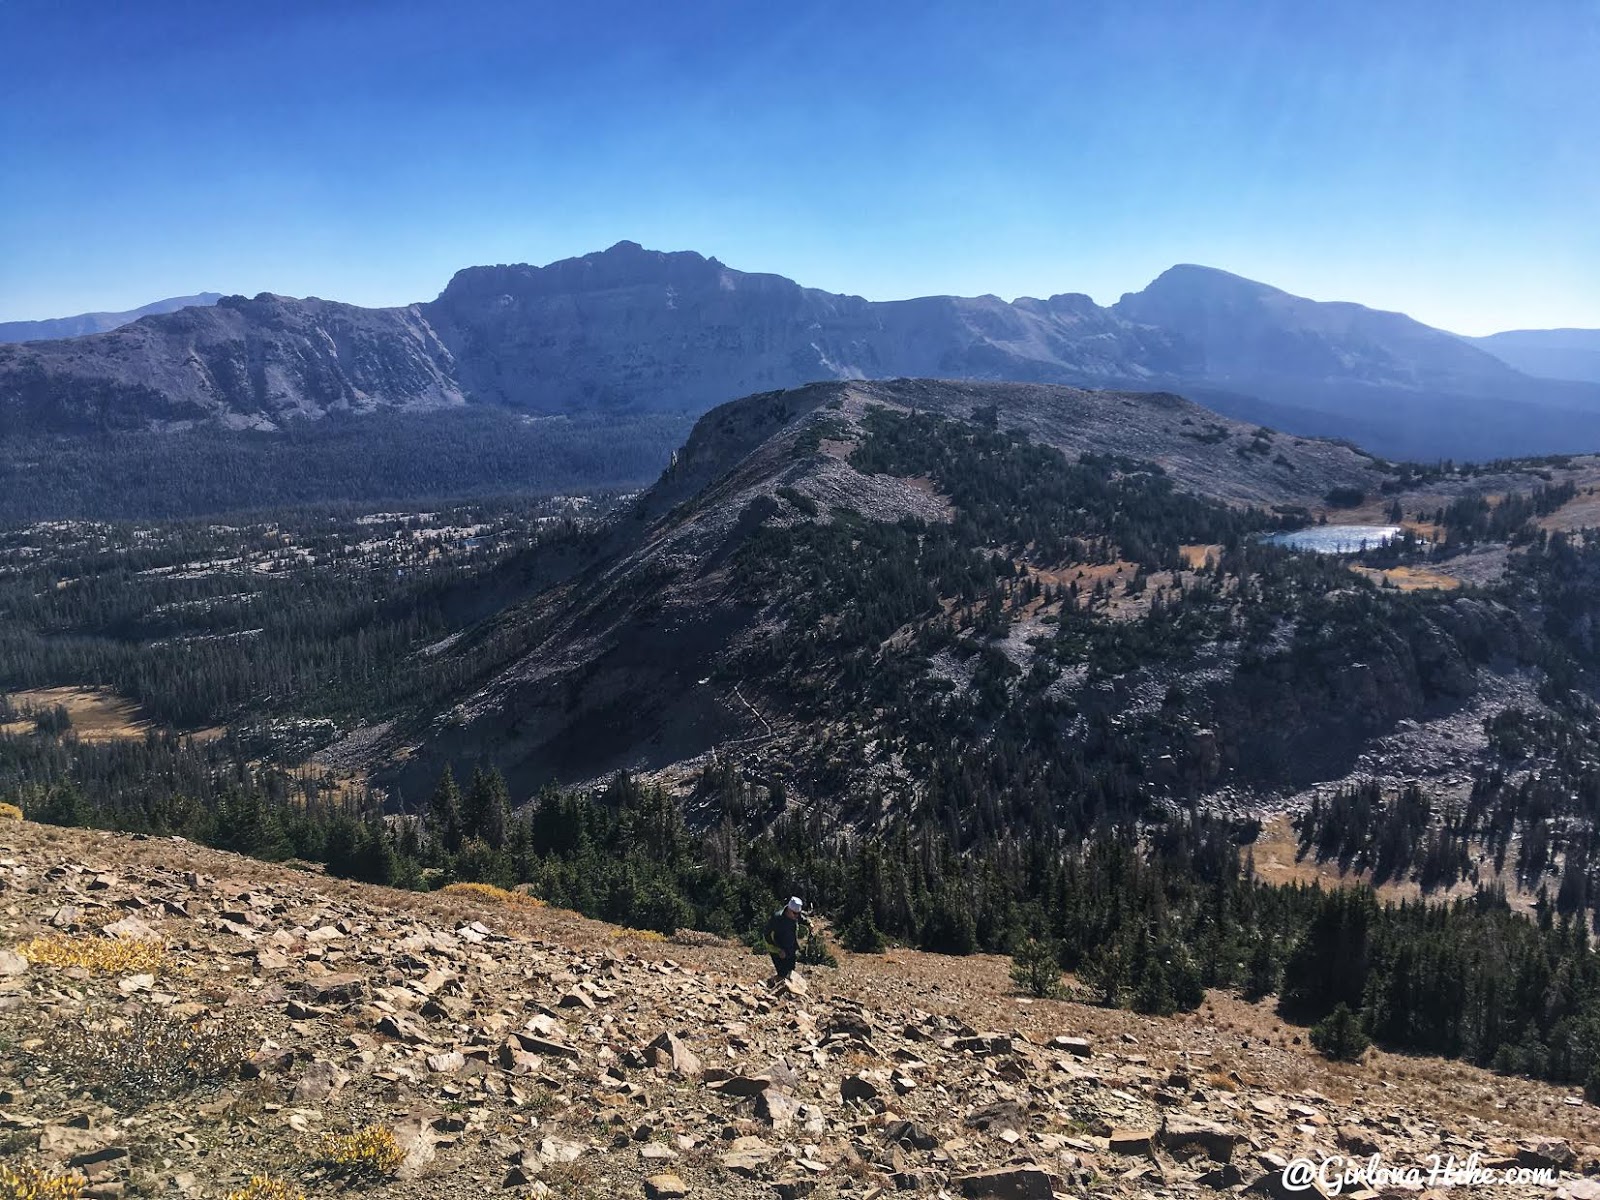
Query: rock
[
  {"x": 777, "y": 1107},
  {"x": 1076, "y": 1046},
  {"x": 555, "y": 1150},
  {"x": 319, "y": 1081},
  {"x": 1009, "y": 1183},
  {"x": 858, "y": 1088},
  {"x": 67, "y": 1141},
  {"x": 908, "y": 1133},
  {"x": 333, "y": 989},
  {"x": 1223, "y": 1177},
  {"x": 1547, "y": 1152},
  {"x": 665, "y": 1187},
  {"x": 269, "y": 1061},
  {"x": 1003, "y": 1114},
  {"x": 668, "y": 1052},
  {"x": 130, "y": 927},
  {"x": 1131, "y": 1141},
  {"x": 414, "y": 1134},
  {"x": 12, "y": 963},
  {"x": 447, "y": 1063},
  {"x": 1217, "y": 1141},
  {"x": 545, "y": 1046},
  {"x": 984, "y": 1044},
  {"x": 1355, "y": 1140},
  {"x": 101, "y": 1164},
  {"x": 748, "y": 1156},
  {"x": 743, "y": 1085}
]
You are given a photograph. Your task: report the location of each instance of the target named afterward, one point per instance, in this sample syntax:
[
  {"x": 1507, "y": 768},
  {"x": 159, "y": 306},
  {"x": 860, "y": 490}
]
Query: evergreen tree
[
  {"x": 444, "y": 813},
  {"x": 1340, "y": 1036},
  {"x": 486, "y": 813},
  {"x": 1036, "y": 968}
]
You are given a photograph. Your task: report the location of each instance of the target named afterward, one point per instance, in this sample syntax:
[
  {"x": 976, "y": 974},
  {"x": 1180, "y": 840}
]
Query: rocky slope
[
  {"x": 511, "y": 1050},
  {"x": 630, "y": 328}
]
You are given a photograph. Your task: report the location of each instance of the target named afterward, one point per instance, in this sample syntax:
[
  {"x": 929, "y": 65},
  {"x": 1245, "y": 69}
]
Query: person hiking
[{"x": 783, "y": 939}]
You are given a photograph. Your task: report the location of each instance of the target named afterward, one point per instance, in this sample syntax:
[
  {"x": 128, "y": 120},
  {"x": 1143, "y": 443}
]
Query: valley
[{"x": 988, "y": 666}]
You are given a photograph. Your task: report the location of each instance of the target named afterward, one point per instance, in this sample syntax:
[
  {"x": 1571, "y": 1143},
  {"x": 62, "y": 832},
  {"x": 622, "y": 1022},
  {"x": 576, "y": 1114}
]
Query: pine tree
[
  {"x": 486, "y": 813},
  {"x": 444, "y": 813}
]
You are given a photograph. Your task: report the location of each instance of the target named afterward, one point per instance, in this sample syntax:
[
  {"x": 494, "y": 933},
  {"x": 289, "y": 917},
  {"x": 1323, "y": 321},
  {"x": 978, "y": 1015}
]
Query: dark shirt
[{"x": 784, "y": 933}]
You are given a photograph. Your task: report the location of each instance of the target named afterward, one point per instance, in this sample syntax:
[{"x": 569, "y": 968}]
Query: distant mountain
[
  {"x": 241, "y": 364},
  {"x": 1547, "y": 353},
  {"x": 97, "y": 322},
  {"x": 630, "y": 329}
]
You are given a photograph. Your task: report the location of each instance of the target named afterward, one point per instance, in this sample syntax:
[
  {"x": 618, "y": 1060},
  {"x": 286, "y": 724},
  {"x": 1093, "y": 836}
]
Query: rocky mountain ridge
[
  {"x": 494, "y": 1047},
  {"x": 630, "y": 328}
]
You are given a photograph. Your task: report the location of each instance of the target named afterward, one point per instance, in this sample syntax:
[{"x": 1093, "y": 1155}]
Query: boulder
[
  {"x": 1009, "y": 1183},
  {"x": 1182, "y": 1132},
  {"x": 669, "y": 1053}
]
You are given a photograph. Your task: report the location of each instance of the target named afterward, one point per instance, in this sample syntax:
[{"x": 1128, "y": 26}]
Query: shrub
[
  {"x": 1036, "y": 969},
  {"x": 1339, "y": 1035},
  {"x": 10, "y": 812},
  {"x": 494, "y": 895},
  {"x": 369, "y": 1151},
  {"x": 1345, "y": 497},
  {"x": 264, "y": 1187},
  {"x": 814, "y": 951},
  {"x": 30, "y": 1183},
  {"x": 103, "y": 955},
  {"x": 132, "y": 1061}
]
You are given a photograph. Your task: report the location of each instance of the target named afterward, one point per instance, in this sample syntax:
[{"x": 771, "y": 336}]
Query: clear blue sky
[{"x": 1441, "y": 157}]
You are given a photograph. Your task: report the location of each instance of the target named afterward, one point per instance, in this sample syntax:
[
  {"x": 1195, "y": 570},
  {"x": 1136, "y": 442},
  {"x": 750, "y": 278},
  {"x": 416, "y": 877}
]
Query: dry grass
[
  {"x": 1410, "y": 579},
  {"x": 490, "y": 894},
  {"x": 1199, "y": 557},
  {"x": 265, "y": 1187},
  {"x": 370, "y": 1151},
  {"x": 98, "y": 715},
  {"x": 101, "y": 955},
  {"x": 132, "y": 1060},
  {"x": 32, "y": 1183}
]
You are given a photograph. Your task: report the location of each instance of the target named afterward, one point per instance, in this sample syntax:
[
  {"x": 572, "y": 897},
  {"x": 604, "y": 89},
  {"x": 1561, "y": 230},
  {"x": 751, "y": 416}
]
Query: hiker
[{"x": 783, "y": 939}]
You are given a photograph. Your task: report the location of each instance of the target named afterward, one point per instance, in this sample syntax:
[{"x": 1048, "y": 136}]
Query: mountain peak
[{"x": 1192, "y": 281}]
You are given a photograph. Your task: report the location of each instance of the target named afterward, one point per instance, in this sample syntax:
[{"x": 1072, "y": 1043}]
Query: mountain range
[
  {"x": 1548, "y": 353},
  {"x": 97, "y": 322},
  {"x": 629, "y": 329}
]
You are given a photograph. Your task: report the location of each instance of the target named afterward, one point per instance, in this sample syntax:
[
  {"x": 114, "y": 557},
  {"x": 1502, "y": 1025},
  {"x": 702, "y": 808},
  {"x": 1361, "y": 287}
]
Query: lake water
[{"x": 1337, "y": 539}]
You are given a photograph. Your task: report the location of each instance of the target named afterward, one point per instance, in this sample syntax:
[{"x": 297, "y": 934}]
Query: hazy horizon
[{"x": 1435, "y": 160}]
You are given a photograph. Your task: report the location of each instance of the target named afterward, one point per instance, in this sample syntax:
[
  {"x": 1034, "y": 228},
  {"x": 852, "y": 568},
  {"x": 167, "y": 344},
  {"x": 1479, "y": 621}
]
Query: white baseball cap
[{"x": 795, "y": 904}]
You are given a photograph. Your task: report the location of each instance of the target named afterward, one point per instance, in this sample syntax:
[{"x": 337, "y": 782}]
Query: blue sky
[{"x": 1441, "y": 158}]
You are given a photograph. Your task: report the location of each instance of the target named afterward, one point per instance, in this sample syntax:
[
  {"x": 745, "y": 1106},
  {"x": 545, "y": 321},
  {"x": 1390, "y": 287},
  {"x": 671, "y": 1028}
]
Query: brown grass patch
[
  {"x": 98, "y": 714},
  {"x": 1199, "y": 557},
  {"x": 1409, "y": 579}
]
